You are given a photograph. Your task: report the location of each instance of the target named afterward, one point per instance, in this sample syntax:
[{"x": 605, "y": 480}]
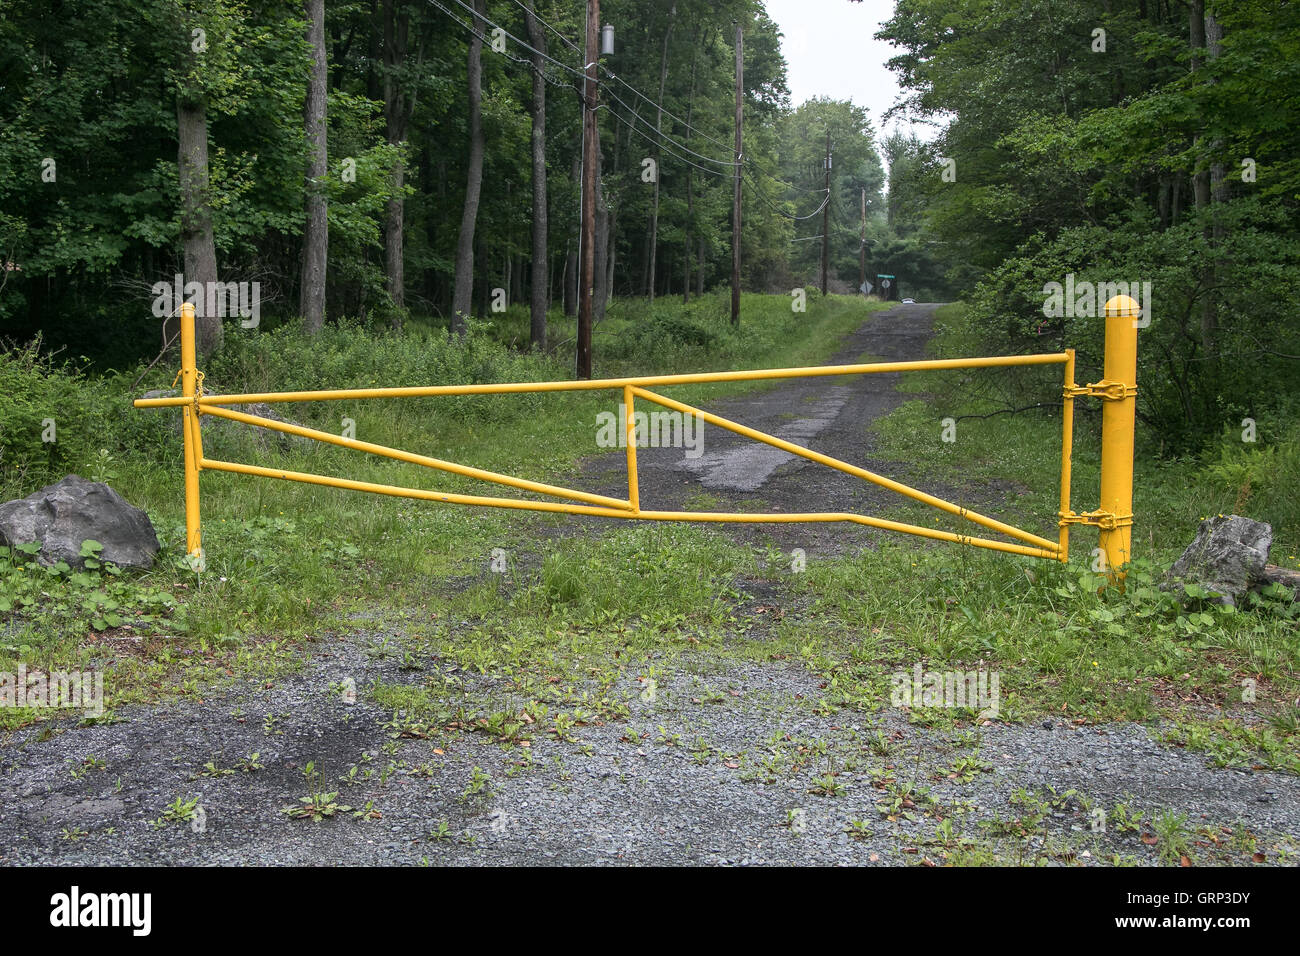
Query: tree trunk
[
  {"x": 570, "y": 288},
  {"x": 611, "y": 245},
  {"x": 540, "y": 293},
  {"x": 601, "y": 273},
  {"x": 1218, "y": 194},
  {"x": 1201, "y": 177},
  {"x": 461, "y": 298},
  {"x": 375, "y": 50},
  {"x": 196, "y": 216},
  {"x": 397, "y": 113},
  {"x": 690, "y": 190},
  {"x": 659, "y": 118},
  {"x": 571, "y": 264},
  {"x": 315, "y": 242},
  {"x": 699, "y": 270}
]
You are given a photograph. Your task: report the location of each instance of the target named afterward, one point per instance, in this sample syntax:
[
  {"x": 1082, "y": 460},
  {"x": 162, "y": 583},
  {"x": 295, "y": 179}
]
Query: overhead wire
[{"x": 659, "y": 138}]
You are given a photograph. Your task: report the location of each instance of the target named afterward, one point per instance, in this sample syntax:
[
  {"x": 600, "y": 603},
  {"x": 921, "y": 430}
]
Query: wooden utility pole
[
  {"x": 735, "y": 201},
  {"x": 588, "y": 239},
  {"x": 826, "y": 214},
  {"x": 862, "y": 245}
]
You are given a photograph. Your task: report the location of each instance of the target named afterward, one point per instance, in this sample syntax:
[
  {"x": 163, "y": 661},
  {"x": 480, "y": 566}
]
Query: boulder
[
  {"x": 61, "y": 516},
  {"x": 1228, "y": 556}
]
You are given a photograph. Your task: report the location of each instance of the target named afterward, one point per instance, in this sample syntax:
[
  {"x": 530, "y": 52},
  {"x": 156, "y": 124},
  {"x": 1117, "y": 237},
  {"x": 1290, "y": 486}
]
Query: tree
[
  {"x": 540, "y": 297},
  {"x": 659, "y": 119},
  {"x": 197, "y": 238},
  {"x": 401, "y": 76},
  {"x": 460, "y": 306},
  {"x": 315, "y": 242}
]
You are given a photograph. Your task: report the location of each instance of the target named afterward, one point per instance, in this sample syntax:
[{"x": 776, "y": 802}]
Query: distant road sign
[{"x": 865, "y": 288}]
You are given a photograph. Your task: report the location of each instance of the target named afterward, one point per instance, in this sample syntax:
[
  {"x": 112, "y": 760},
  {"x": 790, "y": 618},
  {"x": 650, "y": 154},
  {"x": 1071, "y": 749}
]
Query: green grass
[
  {"x": 578, "y": 615},
  {"x": 1062, "y": 647},
  {"x": 286, "y": 562}
]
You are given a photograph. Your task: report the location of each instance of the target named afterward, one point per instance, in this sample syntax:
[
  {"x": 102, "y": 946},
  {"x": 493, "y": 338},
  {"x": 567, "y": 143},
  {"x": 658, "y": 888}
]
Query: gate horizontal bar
[
  {"x": 695, "y": 378},
  {"x": 566, "y": 508}
]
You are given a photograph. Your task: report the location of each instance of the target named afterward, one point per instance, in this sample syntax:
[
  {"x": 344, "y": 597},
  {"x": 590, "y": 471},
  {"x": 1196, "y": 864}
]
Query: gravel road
[{"x": 720, "y": 762}]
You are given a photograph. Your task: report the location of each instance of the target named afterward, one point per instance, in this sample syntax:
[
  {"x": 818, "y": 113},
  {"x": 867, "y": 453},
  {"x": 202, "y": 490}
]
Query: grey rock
[
  {"x": 61, "y": 516},
  {"x": 1227, "y": 556}
]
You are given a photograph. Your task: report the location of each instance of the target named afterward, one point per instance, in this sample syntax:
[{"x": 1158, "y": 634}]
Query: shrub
[
  {"x": 351, "y": 356},
  {"x": 51, "y": 417}
]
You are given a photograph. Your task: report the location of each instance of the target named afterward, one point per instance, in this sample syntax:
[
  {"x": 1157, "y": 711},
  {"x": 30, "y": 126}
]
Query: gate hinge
[
  {"x": 1100, "y": 519},
  {"x": 1106, "y": 391}
]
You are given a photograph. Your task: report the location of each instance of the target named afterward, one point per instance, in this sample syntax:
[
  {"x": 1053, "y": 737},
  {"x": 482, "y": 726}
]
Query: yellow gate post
[
  {"x": 190, "y": 428},
  {"x": 1118, "y": 418}
]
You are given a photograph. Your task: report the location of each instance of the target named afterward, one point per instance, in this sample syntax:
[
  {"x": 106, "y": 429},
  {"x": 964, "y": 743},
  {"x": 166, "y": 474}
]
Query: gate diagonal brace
[
  {"x": 1098, "y": 519},
  {"x": 1106, "y": 391}
]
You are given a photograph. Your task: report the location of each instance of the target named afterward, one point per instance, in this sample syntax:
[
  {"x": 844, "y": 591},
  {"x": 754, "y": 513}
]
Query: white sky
[{"x": 831, "y": 51}]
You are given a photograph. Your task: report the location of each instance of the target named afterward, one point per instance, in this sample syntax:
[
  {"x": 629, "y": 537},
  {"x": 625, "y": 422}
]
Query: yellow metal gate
[{"x": 1114, "y": 518}]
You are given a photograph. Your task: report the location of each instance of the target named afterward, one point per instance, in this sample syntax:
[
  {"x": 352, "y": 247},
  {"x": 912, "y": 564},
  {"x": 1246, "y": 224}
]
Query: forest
[
  {"x": 419, "y": 161},
  {"x": 493, "y": 619}
]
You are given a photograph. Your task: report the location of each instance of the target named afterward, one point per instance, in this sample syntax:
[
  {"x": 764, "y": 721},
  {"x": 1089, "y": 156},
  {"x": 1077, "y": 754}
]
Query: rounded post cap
[{"x": 1123, "y": 305}]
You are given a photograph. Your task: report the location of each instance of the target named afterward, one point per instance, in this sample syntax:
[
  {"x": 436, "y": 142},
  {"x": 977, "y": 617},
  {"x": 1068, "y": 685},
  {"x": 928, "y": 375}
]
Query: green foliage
[
  {"x": 1116, "y": 165},
  {"x": 661, "y": 574},
  {"x": 1187, "y": 394},
  {"x": 54, "y": 420},
  {"x": 98, "y": 597},
  {"x": 349, "y": 355}
]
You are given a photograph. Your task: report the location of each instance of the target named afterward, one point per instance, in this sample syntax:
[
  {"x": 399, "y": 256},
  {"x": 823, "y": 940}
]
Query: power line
[
  {"x": 538, "y": 18},
  {"x": 520, "y": 60},
  {"x": 661, "y": 134},
  {"x": 663, "y": 138},
  {"x": 778, "y": 179},
  {"x": 610, "y": 73},
  {"x": 646, "y": 136},
  {"x": 566, "y": 85},
  {"x": 580, "y": 73},
  {"x": 758, "y": 193},
  {"x": 688, "y": 126},
  {"x": 509, "y": 35}
]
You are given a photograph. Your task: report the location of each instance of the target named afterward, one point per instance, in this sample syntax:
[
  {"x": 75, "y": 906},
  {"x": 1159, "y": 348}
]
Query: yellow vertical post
[
  {"x": 189, "y": 422},
  {"x": 633, "y": 493},
  {"x": 1067, "y": 450},
  {"x": 1118, "y": 416}
]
